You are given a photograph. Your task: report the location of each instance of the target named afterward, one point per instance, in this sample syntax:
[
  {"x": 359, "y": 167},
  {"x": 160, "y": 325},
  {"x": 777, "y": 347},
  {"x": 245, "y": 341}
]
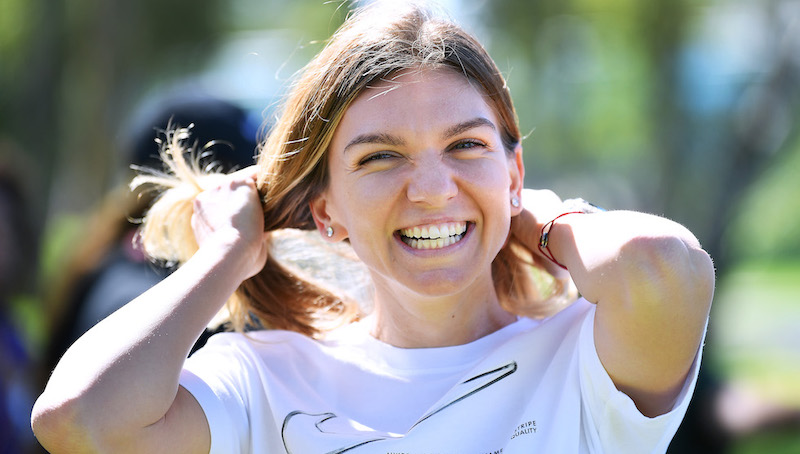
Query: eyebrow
[
  {"x": 476, "y": 122},
  {"x": 390, "y": 139},
  {"x": 375, "y": 138}
]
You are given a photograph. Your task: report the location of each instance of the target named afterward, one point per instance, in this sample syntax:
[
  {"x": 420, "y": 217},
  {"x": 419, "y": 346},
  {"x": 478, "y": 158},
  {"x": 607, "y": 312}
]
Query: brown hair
[{"x": 373, "y": 43}]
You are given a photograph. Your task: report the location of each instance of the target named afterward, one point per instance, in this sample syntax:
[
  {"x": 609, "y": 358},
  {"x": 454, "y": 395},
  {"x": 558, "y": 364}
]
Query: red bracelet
[{"x": 544, "y": 239}]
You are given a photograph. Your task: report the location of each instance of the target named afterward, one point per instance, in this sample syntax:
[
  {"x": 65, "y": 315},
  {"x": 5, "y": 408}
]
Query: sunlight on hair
[
  {"x": 166, "y": 231},
  {"x": 329, "y": 265}
]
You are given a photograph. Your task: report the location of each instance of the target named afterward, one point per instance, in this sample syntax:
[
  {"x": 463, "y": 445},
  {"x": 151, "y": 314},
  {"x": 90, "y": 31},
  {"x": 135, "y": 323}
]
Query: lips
[{"x": 433, "y": 236}]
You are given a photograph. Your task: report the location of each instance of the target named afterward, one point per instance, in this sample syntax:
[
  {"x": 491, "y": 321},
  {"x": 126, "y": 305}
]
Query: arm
[
  {"x": 116, "y": 389},
  {"x": 652, "y": 283}
]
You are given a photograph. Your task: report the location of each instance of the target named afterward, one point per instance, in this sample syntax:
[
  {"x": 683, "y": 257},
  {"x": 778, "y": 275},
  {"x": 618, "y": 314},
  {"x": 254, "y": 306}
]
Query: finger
[
  {"x": 248, "y": 173},
  {"x": 544, "y": 204}
]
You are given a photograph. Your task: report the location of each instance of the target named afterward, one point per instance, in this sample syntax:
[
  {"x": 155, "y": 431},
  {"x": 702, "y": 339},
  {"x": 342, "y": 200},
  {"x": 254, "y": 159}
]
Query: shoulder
[
  {"x": 568, "y": 321},
  {"x": 262, "y": 349},
  {"x": 255, "y": 342},
  {"x": 557, "y": 336}
]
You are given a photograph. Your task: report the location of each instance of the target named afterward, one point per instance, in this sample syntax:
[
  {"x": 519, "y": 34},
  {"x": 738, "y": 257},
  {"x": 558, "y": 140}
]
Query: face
[{"x": 421, "y": 184}]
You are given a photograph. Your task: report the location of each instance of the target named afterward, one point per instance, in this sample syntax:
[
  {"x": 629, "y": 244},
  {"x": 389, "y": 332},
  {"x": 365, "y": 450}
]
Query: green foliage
[
  {"x": 580, "y": 82},
  {"x": 754, "y": 327},
  {"x": 773, "y": 442},
  {"x": 753, "y": 343},
  {"x": 767, "y": 223},
  {"x": 15, "y": 29}
]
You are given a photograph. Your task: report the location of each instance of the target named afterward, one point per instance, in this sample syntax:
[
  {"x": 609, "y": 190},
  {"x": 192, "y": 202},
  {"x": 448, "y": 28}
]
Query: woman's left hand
[{"x": 538, "y": 207}]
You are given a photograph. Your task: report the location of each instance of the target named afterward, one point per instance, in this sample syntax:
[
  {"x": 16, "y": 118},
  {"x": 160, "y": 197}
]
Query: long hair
[{"x": 375, "y": 42}]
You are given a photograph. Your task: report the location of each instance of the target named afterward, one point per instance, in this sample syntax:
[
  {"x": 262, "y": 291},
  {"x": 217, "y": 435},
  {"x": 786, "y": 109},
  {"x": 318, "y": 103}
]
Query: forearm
[
  {"x": 122, "y": 375},
  {"x": 628, "y": 257}
]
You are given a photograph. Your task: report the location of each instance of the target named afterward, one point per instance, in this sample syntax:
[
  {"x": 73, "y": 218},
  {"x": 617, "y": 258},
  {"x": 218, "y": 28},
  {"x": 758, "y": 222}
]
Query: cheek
[
  {"x": 378, "y": 188},
  {"x": 490, "y": 176},
  {"x": 488, "y": 184},
  {"x": 368, "y": 199},
  {"x": 364, "y": 205}
]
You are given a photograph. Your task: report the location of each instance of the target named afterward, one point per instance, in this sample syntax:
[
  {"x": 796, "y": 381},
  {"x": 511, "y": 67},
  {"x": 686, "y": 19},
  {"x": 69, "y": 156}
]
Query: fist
[{"x": 228, "y": 214}]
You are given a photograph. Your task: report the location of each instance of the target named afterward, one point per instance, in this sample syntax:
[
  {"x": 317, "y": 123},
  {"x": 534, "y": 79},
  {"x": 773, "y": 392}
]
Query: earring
[
  {"x": 329, "y": 231},
  {"x": 514, "y": 202}
]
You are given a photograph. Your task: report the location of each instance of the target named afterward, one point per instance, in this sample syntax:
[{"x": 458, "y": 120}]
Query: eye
[
  {"x": 468, "y": 144},
  {"x": 374, "y": 157}
]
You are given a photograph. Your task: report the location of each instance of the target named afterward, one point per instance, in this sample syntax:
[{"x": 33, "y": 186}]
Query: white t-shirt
[{"x": 531, "y": 387}]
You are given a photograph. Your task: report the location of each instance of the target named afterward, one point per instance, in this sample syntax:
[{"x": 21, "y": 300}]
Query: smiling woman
[
  {"x": 400, "y": 140},
  {"x": 439, "y": 162}
]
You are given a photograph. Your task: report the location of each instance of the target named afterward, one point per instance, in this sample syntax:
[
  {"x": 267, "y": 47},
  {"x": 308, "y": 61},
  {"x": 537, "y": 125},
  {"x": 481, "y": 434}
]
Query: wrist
[
  {"x": 570, "y": 206},
  {"x": 544, "y": 238},
  {"x": 243, "y": 258}
]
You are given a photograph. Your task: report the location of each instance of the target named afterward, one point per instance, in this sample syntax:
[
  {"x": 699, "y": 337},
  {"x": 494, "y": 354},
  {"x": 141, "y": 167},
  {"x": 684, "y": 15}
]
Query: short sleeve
[
  {"x": 614, "y": 424},
  {"x": 216, "y": 384}
]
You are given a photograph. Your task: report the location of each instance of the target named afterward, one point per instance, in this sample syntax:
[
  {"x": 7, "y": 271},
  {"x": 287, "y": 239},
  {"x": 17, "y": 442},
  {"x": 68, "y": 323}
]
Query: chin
[{"x": 441, "y": 284}]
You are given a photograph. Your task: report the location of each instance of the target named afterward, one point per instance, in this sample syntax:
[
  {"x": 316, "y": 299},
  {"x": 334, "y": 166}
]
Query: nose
[{"x": 432, "y": 182}]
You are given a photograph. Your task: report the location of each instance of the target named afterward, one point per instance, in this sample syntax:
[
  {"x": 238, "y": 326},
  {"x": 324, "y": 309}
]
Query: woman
[{"x": 400, "y": 139}]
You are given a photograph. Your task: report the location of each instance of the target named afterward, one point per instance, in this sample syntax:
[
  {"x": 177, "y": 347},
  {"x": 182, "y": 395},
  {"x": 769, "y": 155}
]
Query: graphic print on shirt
[{"x": 329, "y": 434}]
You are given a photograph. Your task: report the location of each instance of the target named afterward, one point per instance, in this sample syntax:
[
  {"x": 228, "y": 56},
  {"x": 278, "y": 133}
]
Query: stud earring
[
  {"x": 329, "y": 231},
  {"x": 514, "y": 202}
]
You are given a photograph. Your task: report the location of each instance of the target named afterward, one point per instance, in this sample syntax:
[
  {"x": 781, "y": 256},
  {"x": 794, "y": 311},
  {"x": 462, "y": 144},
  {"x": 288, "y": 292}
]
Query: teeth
[
  {"x": 434, "y": 236},
  {"x": 435, "y": 231}
]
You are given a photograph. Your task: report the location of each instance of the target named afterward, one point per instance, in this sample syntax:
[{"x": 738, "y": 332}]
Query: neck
[{"x": 408, "y": 320}]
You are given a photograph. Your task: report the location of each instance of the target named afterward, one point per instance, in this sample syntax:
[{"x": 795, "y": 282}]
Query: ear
[
  {"x": 516, "y": 170},
  {"x": 320, "y": 211}
]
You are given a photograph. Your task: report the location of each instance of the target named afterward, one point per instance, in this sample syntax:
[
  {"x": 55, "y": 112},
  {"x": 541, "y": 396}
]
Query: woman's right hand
[
  {"x": 147, "y": 340},
  {"x": 229, "y": 216}
]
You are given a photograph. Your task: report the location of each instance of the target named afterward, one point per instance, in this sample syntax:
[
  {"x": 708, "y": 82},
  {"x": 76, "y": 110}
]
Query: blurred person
[
  {"x": 18, "y": 252},
  {"x": 399, "y": 140},
  {"x": 107, "y": 268}
]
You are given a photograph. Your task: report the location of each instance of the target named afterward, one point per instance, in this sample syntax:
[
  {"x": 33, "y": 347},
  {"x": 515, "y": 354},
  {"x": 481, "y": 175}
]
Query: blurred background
[{"x": 687, "y": 109}]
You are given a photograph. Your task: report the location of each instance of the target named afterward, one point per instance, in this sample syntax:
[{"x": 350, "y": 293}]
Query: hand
[
  {"x": 539, "y": 207},
  {"x": 229, "y": 215}
]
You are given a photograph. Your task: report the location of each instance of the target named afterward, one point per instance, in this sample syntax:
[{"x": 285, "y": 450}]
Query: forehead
[
  {"x": 416, "y": 100},
  {"x": 413, "y": 79}
]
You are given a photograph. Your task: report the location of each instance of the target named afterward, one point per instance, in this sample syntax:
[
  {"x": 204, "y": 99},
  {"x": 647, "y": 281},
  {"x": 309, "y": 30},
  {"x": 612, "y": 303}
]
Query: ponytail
[
  {"x": 275, "y": 297},
  {"x": 166, "y": 231}
]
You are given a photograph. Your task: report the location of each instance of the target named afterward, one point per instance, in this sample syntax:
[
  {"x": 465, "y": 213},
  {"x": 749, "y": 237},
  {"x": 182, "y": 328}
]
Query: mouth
[{"x": 433, "y": 236}]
